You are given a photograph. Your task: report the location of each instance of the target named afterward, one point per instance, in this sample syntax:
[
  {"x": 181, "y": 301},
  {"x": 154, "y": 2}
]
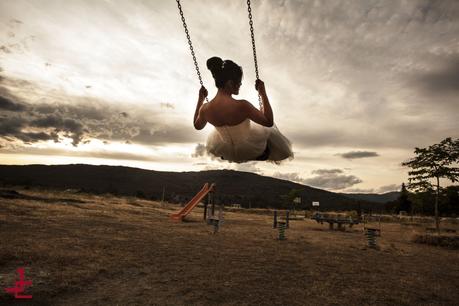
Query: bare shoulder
[
  {"x": 204, "y": 107},
  {"x": 244, "y": 103}
]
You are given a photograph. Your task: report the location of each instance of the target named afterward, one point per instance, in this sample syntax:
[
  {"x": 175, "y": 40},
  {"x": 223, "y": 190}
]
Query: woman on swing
[{"x": 242, "y": 132}]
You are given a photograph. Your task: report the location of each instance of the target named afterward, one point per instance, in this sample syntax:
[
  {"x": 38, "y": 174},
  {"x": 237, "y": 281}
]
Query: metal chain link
[
  {"x": 194, "y": 56},
  {"x": 190, "y": 44},
  {"x": 253, "y": 48}
]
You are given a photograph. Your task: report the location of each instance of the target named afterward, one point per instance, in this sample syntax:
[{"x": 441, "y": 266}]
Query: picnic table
[{"x": 341, "y": 221}]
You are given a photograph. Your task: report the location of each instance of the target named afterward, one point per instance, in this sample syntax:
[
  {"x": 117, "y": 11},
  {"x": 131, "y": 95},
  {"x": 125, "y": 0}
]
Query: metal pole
[{"x": 275, "y": 219}]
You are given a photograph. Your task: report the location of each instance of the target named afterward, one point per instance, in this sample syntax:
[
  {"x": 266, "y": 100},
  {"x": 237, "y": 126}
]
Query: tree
[
  {"x": 403, "y": 201},
  {"x": 288, "y": 199},
  {"x": 432, "y": 163},
  {"x": 422, "y": 202},
  {"x": 451, "y": 201}
]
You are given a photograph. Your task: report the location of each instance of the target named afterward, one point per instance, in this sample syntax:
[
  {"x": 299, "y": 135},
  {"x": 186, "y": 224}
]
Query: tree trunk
[{"x": 437, "y": 221}]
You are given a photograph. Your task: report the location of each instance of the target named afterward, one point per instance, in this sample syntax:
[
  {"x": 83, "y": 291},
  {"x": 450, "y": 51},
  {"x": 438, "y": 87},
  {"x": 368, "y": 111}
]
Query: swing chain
[
  {"x": 190, "y": 44},
  {"x": 194, "y": 56},
  {"x": 253, "y": 48}
]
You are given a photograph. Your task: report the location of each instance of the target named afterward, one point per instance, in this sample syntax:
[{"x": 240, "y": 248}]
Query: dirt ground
[{"x": 83, "y": 249}]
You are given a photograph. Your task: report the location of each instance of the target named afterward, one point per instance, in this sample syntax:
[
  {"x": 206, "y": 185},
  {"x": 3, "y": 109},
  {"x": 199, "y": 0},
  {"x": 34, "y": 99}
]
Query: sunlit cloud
[{"x": 358, "y": 154}]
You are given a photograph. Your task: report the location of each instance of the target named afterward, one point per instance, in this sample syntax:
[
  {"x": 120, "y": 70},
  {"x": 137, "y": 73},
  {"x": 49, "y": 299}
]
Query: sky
[{"x": 355, "y": 85}]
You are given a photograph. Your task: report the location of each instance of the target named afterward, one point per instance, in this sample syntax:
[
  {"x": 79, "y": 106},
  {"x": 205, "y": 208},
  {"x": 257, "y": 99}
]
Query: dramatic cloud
[
  {"x": 441, "y": 81},
  {"x": 245, "y": 167},
  {"x": 200, "y": 150},
  {"x": 294, "y": 177},
  {"x": 382, "y": 189},
  {"x": 248, "y": 167},
  {"x": 15, "y": 127},
  {"x": 359, "y": 190},
  {"x": 358, "y": 154},
  {"x": 98, "y": 153},
  {"x": 388, "y": 188},
  {"x": 331, "y": 179},
  {"x": 327, "y": 171},
  {"x": 5, "y": 49},
  {"x": 83, "y": 120},
  {"x": 8, "y": 105},
  {"x": 71, "y": 128}
]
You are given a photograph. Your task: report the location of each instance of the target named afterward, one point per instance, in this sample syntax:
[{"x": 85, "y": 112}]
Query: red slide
[{"x": 194, "y": 201}]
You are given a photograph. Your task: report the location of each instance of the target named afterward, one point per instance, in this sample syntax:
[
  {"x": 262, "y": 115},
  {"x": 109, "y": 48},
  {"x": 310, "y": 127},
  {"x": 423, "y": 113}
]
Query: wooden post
[
  {"x": 275, "y": 219},
  {"x": 162, "y": 198},
  {"x": 210, "y": 201},
  {"x": 340, "y": 226},
  {"x": 287, "y": 214},
  {"x": 205, "y": 210},
  {"x": 212, "y": 207},
  {"x": 220, "y": 212}
]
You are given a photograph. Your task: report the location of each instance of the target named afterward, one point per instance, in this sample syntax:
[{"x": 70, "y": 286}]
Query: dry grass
[
  {"x": 450, "y": 241},
  {"x": 102, "y": 250}
]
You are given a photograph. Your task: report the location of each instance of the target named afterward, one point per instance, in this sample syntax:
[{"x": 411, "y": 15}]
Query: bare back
[
  {"x": 221, "y": 111},
  {"x": 224, "y": 110}
]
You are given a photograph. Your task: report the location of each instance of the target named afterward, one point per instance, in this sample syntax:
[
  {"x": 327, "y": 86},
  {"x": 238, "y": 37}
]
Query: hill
[
  {"x": 373, "y": 197},
  {"x": 247, "y": 189}
]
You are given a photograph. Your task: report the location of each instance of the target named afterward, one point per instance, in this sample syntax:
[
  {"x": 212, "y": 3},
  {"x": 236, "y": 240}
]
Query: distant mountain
[
  {"x": 372, "y": 197},
  {"x": 247, "y": 189}
]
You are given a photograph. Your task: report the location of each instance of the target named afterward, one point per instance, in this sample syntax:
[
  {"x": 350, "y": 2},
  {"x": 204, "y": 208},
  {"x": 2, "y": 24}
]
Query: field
[{"x": 81, "y": 249}]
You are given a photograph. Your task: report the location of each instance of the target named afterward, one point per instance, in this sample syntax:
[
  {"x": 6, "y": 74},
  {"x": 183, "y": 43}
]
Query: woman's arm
[
  {"x": 265, "y": 116},
  {"x": 199, "y": 120}
]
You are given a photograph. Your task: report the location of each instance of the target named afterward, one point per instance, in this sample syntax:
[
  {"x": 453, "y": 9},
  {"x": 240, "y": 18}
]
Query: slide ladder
[{"x": 194, "y": 201}]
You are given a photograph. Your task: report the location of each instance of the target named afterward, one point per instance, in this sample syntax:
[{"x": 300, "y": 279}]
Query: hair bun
[{"x": 214, "y": 64}]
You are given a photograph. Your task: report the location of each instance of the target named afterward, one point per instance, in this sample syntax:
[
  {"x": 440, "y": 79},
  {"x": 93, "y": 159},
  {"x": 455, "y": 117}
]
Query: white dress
[{"x": 247, "y": 141}]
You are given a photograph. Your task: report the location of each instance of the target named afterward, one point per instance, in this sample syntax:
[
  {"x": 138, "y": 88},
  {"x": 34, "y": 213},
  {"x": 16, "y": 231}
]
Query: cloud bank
[
  {"x": 83, "y": 119},
  {"x": 331, "y": 179}
]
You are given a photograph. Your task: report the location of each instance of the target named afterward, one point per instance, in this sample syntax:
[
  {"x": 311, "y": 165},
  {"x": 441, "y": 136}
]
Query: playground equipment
[
  {"x": 282, "y": 227},
  {"x": 277, "y": 218},
  {"x": 371, "y": 232},
  {"x": 216, "y": 220},
  {"x": 206, "y": 189},
  {"x": 341, "y": 221},
  {"x": 281, "y": 223}
]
